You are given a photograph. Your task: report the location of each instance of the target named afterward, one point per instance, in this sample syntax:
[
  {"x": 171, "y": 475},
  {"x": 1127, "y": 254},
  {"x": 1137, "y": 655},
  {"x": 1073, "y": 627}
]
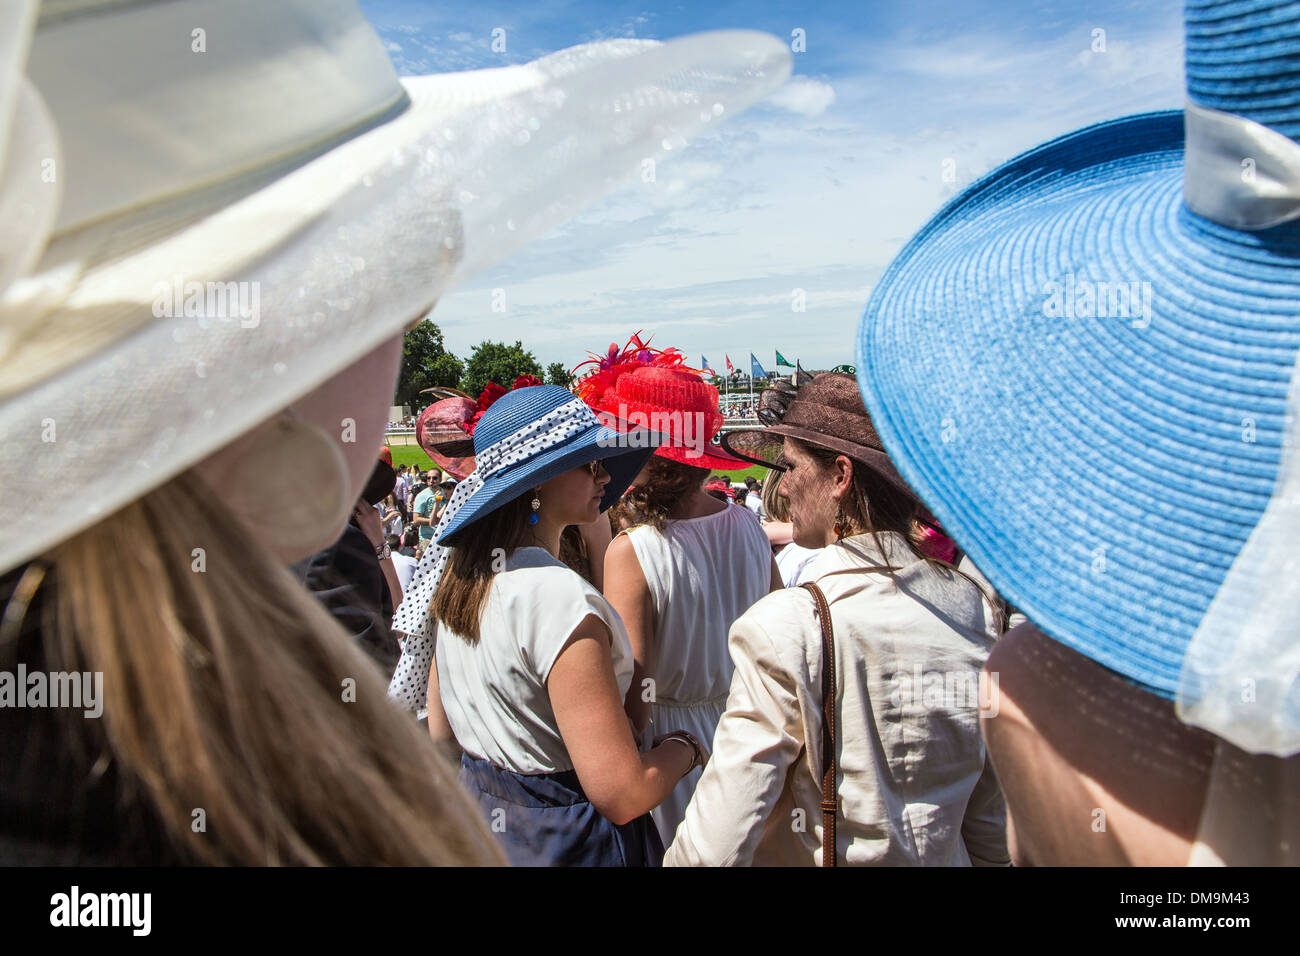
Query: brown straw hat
[{"x": 828, "y": 411}]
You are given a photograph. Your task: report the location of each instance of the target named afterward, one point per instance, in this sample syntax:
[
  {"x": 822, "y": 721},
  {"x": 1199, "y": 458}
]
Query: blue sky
[{"x": 815, "y": 189}]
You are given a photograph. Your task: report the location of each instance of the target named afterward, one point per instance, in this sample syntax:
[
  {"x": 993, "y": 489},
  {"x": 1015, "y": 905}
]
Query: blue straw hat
[
  {"x": 1099, "y": 415},
  {"x": 527, "y": 437},
  {"x": 576, "y": 439}
]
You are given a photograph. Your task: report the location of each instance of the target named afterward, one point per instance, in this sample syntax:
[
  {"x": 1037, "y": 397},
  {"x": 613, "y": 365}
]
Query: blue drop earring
[{"x": 532, "y": 518}]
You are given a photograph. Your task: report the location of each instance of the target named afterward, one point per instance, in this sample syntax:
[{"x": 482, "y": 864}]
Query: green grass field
[{"x": 414, "y": 455}]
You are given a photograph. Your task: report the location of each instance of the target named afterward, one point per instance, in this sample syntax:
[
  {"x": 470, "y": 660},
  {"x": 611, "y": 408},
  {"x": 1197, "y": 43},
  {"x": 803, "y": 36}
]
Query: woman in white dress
[
  {"x": 687, "y": 565},
  {"x": 531, "y": 664}
]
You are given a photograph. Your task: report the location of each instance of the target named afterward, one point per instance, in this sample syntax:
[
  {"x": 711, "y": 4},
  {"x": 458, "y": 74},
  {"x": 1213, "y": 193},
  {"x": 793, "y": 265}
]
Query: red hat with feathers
[{"x": 656, "y": 389}]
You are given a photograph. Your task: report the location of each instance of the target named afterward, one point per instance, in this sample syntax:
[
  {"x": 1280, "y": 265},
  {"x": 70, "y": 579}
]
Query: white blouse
[{"x": 494, "y": 690}]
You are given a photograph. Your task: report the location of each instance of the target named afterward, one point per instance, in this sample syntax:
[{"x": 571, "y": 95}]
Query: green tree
[
  {"x": 425, "y": 363},
  {"x": 558, "y": 374},
  {"x": 497, "y": 362}
]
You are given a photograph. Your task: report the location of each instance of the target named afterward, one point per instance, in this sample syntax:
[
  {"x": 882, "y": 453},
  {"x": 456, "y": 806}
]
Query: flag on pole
[
  {"x": 755, "y": 369},
  {"x": 729, "y": 368},
  {"x": 704, "y": 366},
  {"x": 780, "y": 360}
]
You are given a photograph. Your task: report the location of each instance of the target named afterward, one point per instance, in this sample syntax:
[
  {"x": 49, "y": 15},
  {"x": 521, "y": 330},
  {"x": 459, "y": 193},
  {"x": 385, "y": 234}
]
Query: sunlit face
[
  {"x": 574, "y": 497},
  {"x": 809, "y": 492}
]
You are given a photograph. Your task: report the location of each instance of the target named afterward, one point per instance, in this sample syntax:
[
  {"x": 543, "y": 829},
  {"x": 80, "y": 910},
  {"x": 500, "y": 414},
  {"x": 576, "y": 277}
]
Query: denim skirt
[{"x": 546, "y": 820}]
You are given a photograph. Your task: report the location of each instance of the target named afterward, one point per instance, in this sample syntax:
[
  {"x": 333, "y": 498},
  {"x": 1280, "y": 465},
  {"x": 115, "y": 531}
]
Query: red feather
[
  {"x": 615, "y": 363},
  {"x": 491, "y": 392}
]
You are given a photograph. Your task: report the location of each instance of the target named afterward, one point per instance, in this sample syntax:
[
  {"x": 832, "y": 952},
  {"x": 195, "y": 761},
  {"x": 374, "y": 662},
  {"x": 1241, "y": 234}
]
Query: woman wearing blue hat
[
  {"x": 1111, "y": 324},
  {"x": 532, "y": 663}
]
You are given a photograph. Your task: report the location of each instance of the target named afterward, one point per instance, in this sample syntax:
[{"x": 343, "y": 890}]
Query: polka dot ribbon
[{"x": 410, "y": 684}]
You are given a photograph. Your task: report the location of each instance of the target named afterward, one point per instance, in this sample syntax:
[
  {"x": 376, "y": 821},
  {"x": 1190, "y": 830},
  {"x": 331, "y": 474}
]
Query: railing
[
  {"x": 399, "y": 435},
  {"x": 405, "y": 435}
]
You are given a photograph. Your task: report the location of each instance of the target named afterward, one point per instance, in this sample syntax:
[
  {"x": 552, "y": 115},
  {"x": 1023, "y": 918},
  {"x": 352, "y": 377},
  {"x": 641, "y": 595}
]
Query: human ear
[{"x": 843, "y": 477}]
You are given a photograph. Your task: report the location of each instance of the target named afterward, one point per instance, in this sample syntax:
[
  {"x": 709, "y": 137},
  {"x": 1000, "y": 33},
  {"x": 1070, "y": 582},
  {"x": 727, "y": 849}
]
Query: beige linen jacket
[{"x": 915, "y": 782}]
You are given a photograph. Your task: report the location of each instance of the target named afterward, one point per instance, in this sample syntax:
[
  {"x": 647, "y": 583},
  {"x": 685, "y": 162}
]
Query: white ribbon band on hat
[
  {"x": 1237, "y": 172},
  {"x": 410, "y": 682},
  {"x": 1241, "y": 674}
]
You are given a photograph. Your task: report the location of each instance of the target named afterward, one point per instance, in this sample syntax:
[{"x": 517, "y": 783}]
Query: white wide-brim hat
[{"x": 210, "y": 207}]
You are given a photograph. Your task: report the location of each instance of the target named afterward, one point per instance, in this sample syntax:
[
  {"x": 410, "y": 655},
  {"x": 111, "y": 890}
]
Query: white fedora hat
[{"x": 210, "y": 207}]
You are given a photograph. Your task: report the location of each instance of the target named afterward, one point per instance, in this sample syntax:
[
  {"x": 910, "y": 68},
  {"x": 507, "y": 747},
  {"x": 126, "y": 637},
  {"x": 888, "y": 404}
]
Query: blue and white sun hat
[
  {"x": 527, "y": 437},
  {"x": 1110, "y": 324}
]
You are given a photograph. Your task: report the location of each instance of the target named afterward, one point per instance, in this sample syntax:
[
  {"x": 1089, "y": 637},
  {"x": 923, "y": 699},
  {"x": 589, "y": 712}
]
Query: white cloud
[
  {"x": 799, "y": 195},
  {"x": 805, "y": 96}
]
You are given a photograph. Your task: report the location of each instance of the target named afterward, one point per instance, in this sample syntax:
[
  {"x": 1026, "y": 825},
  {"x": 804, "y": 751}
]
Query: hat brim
[
  {"x": 1102, "y": 471},
  {"x": 623, "y": 455},
  {"x": 711, "y": 459},
  {"x": 345, "y": 250},
  {"x": 703, "y": 455}
]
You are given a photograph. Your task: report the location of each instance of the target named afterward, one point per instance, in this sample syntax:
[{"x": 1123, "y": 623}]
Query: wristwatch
[{"x": 383, "y": 551}]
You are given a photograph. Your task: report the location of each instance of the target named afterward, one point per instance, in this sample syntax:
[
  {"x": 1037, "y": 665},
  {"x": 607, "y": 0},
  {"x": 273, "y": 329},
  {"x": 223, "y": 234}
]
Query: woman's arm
[
  {"x": 596, "y": 536},
  {"x": 439, "y": 729},
  {"x": 758, "y": 738},
  {"x": 626, "y": 589},
  {"x": 621, "y": 783},
  {"x": 779, "y": 533},
  {"x": 368, "y": 522}
]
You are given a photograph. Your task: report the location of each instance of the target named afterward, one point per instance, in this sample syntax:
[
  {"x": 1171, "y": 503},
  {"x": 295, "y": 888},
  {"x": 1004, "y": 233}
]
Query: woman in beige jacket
[{"x": 914, "y": 782}]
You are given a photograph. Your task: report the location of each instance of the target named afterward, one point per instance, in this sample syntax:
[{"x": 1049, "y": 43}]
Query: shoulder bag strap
[{"x": 830, "y": 799}]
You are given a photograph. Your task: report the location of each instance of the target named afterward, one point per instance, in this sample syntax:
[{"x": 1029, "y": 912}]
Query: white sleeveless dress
[{"x": 703, "y": 574}]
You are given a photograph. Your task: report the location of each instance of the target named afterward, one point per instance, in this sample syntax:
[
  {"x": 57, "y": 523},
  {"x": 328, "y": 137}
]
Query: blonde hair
[
  {"x": 774, "y": 504},
  {"x": 228, "y": 687}
]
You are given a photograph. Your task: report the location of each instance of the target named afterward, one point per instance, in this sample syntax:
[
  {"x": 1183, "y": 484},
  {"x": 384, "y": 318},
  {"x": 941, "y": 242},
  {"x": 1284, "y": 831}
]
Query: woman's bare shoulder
[{"x": 1095, "y": 770}]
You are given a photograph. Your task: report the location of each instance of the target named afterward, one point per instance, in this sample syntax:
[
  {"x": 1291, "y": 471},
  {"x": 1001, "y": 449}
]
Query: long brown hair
[
  {"x": 228, "y": 687},
  {"x": 467, "y": 577},
  {"x": 667, "y": 483},
  {"x": 876, "y": 505}
]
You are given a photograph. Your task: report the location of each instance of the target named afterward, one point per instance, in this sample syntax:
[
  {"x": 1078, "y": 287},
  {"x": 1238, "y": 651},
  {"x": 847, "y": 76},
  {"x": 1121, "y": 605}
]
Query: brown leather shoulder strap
[{"x": 830, "y": 799}]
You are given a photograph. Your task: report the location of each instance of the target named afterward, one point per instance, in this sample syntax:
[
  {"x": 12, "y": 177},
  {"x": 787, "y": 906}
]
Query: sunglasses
[{"x": 594, "y": 468}]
